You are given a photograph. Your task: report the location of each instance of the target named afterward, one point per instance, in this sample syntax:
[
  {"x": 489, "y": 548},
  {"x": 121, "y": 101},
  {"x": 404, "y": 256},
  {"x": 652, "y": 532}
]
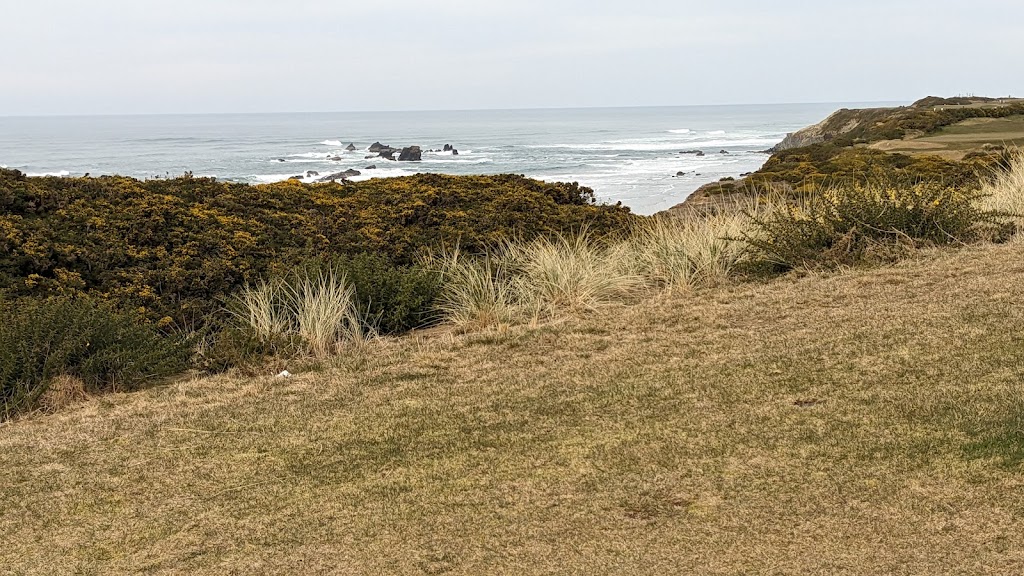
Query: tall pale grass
[
  {"x": 324, "y": 311},
  {"x": 477, "y": 293},
  {"x": 695, "y": 249},
  {"x": 572, "y": 272},
  {"x": 318, "y": 306},
  {"x": 261, "y": 308},
  {"x": 1005, "y": 192},
  {"x": 547, "y": 277}
]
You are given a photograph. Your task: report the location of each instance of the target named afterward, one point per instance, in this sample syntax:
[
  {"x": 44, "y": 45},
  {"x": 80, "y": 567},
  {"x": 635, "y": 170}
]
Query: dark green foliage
[
  {"x": 107, "y": 350},
  {"x": 847, "y": 225},
  {"x": 176, "y": 248},
  {"x": 393, "y": 298},
  {"x": 233, "y": 345}
]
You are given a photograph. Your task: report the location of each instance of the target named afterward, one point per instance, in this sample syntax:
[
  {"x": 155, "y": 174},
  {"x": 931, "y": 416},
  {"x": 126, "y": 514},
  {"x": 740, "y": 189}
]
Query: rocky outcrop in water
[
  {"x": 411, "y": 154},
  {"x": 351, "y": 148},
  {"x": 340, "y": 176}
]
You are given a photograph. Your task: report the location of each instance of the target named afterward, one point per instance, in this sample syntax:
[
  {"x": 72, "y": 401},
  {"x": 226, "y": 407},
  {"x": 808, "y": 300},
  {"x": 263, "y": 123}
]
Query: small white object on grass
[{"x": 285, "y": 374}]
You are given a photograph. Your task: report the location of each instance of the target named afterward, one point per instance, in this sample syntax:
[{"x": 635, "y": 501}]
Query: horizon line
[{"x": 437, "y": 110}]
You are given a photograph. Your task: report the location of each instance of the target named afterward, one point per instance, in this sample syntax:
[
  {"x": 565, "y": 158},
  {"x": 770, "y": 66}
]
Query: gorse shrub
[
  {"x": 392, "y": 298},
  {"x": 846, "y": 225},
  {"x": 105, "y": 349},
  {"x": 178, "y": 247}
]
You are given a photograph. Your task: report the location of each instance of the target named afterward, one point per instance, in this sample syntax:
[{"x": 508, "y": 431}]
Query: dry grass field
[{"x": 863, "y": 422}]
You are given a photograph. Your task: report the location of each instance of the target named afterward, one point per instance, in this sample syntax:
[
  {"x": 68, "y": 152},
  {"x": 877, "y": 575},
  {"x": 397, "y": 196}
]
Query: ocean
[{"x": 628, "y": 155}]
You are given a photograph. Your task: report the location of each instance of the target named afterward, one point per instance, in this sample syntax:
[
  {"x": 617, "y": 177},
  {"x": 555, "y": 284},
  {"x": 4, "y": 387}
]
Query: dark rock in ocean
[
  {"x": 723, "y": 151},
  {"x": 700, "y": 153},
  {"x": 387, "y": 155},
  {"x": 455, "y": 152},
  {"x": 340, "y": 176},
  {"x": 411, "y": 154},
  {"x": 694, "y": 152},
  {"x": 335, "y": 158},
  {"x": 370, "y": 157},
  {"x": 280, "y": 160},
  {"x": 351, "y": 148},
  {"x": 371, "y": 167},
  {"x": 312, "y": 173},
  {"x": 299, "y": 177},
  {"x": 376, "y": 147},
  {"x": 680, "y": 173},
  {"x": 447, "y": 148}
]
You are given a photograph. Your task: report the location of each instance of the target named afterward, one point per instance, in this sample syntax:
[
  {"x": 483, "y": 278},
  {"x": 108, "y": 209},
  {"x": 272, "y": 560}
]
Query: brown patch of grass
[
  {"x": 62, "y": 392},
  {"x": 658, "y": 438}
]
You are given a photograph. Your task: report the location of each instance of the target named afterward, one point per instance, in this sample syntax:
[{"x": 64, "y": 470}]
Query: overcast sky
[{"x": 171, "y": 56}]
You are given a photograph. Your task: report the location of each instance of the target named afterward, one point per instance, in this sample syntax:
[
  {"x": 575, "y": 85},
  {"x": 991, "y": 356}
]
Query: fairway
[{"x": 956, "y": 141}]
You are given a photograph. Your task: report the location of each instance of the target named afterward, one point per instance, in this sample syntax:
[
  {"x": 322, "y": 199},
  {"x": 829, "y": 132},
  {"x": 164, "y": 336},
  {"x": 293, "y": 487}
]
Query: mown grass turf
[
  {"x": 859, "y": 423},
  {"x": 956, "y": 141}
]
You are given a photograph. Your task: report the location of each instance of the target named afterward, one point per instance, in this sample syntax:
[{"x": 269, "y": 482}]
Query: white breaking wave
[
  {"x": 716, "y": 133},
  {"x": 61, "y": 174},
  {"x": 680, "y": 131},
  {"x": 331, "y": 142},
  {"x": 660, "y": 146}
]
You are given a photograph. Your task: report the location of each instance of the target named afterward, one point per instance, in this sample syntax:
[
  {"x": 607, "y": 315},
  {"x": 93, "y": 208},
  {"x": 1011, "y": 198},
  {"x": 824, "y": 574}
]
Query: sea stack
[{"x": 410, "y": 154}]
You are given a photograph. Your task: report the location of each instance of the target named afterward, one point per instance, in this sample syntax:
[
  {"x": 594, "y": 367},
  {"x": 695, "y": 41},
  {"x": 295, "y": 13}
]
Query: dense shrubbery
[
  {"x": 852, "y": 224},
  {"x": 175, "y": 248},
  {"x": 391, "y": 298},
  {"x": 106, "y": 350}
]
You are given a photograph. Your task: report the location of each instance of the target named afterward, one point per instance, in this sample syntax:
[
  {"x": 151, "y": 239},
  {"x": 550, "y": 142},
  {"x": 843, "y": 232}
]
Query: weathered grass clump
[
  {"x": 477, "y": 292},
  {"x": 1004, "y": 193},
  {"x": 571, "y": 272},
  {"x": 103, "y": 350},
  {"x": 696, "y": 249},
  {"x": 315, "y": 308}
]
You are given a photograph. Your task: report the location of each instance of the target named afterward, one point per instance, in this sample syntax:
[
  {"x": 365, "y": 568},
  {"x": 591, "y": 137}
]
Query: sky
[{"x": 217, "y": 56}]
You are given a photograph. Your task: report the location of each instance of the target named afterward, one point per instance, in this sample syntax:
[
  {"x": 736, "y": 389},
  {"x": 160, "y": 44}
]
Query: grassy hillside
[
  {"x": 953, "y": 142},
  {"x": 862, "y": 422}
]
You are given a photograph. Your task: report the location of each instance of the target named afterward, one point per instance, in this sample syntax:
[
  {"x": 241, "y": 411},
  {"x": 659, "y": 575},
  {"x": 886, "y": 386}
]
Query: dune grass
[
  {"x": 697, "y": 248},
  {"x": 866, "y": 422},
  {"x": 318, "y": 306},
  {"x": 1005, "y": 191}
]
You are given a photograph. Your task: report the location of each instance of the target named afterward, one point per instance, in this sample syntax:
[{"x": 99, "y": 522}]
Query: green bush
[
  {"x": 847, "y": 225},
  {"x": 178, "y": 247},
  {"x": 392, "y": 298},
  {"x": 107, "y": 350}
]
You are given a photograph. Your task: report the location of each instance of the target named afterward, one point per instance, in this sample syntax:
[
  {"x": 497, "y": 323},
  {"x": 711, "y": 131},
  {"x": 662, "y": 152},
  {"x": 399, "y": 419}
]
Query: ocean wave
[
  {"x": 660, "y": 146},
  {"x": 460, "y": 161},
  {"x": 60, "y": 173},
  {"x": 716, "y": 133},
  {"x": 680, "y": 131},
  {"x": 331, "y": 142},
  {"x": 382, "y": 173}
]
